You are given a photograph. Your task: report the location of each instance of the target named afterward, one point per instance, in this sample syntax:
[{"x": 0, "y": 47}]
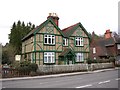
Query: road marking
[
  {"x": 104, "y": 82},
  {"x": 84, "y": 86},
  {"x": 117, "y": 79}
]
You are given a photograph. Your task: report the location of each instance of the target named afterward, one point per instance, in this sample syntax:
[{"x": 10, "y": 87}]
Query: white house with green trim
[{"x": 48, "y": 44}]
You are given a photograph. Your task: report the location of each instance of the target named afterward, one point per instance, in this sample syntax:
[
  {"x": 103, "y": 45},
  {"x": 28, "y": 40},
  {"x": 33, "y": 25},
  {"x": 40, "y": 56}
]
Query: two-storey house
[
  {"x": 105, "y": 47},
  {"x": 48, "y": 44}
]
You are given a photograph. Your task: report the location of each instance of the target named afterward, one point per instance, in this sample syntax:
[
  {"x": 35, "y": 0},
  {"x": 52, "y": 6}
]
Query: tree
[
  {"x": 8, "y": 54},
  {"x": 5, "y": 58},
  {"x": 18, "y": 31}
]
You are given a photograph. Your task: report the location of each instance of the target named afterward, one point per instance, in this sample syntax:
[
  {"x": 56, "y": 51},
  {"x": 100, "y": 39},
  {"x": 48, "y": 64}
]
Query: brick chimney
[
  {"x": 108, "y": 34},
  {"x": 54, "y": 17}
]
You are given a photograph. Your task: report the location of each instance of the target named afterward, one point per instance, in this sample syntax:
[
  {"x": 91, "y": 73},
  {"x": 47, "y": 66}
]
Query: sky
[{"x": 95, "y": 15}]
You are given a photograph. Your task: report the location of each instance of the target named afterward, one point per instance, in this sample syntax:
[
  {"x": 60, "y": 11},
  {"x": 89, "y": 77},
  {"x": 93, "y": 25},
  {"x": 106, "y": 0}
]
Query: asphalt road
[{"x": 107, "y": 79}]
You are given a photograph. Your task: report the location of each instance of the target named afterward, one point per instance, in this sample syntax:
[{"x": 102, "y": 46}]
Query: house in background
[
  {"x": 48, "y": 44},
  {"x": 105, "y": 47}
]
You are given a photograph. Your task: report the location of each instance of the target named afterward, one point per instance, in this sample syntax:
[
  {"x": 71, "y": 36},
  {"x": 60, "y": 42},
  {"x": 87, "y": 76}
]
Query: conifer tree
[{"x": 18, "y": 31}]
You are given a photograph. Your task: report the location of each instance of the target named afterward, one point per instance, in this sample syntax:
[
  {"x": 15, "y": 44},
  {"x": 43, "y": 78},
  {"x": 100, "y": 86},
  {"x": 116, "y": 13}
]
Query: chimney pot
[
  {"x": 54, "y": 17},
  {"x": 108, "y": 34}
]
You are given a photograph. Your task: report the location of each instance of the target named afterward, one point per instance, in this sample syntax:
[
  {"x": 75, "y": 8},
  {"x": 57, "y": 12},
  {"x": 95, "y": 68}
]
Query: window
[
  {"x": 49, "y": 57},
  {"x": 94, "y": 50},
  {"x": 49, "y": 39},
  {"x": 65, "y": 42},
  {"x": 118, "y": 46},
  {"x": 79, "y": 57},
  {"x": 79, "y": 41},
  {"x": 94, "y": 58}
]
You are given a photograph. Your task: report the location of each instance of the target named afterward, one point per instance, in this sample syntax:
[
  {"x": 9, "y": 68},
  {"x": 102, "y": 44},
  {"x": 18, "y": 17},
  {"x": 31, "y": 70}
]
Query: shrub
[
  {"x": 112, "y": 59},
  {"x": 89, "y": 61},
  {"x": 33, "y": 67},
  {"x": 24, "y": 63}
]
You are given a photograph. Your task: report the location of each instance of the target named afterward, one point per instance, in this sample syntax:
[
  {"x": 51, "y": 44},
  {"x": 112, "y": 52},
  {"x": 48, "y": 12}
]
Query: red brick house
[{"x": 105, "y": 47}]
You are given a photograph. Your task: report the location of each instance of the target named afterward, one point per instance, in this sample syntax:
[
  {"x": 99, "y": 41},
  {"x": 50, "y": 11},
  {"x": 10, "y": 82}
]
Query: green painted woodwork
[
  {"x": 49, "y": 63},
  {"x": 45, "y": 23},
  {"x": 78, "y": 32},
  {"x": 86, "y": 47},
  {"x": 49, "y": 28}
]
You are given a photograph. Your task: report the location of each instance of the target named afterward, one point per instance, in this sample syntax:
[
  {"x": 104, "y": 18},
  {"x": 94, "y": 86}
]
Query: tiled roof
[
  {"x": 117, "y": 39},
  {"x": 69, "y": 30},
  {"x": 32, "y": 31},
  {"x": 66, "y": 51},
  {"x": 40, "y": 26},
  {"x": 101, "y": 45}
]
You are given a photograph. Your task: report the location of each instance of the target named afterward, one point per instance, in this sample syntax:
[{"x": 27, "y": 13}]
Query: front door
[{"x": 69, "y": 59}]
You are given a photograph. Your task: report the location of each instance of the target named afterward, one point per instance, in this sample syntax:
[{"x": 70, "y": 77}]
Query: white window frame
[
  {"x": 65, "y": 42},
  {"x": 94, "y": 50},
  {"x": 49, "y": 57},
  {"x": 79, "y": 57},
  {"x": 79, "y": 41},
  {"x": 50, "y": 39}
]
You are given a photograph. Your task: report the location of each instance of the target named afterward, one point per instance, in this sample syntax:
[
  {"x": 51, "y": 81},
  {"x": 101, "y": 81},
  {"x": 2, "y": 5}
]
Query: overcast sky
[{"x": 95, "y": 15}]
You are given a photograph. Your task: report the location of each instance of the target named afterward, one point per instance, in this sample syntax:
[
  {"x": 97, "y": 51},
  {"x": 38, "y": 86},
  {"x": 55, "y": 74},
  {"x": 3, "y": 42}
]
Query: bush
[
  {"x": 33, "y": 67},
  {"x": 112, "y": 59},
  {"x": 27, "y": 67},
  {"x": 94, "y": 61},
  {"x": 24, "y": 63},
  {"x": 89, "y": 61}
]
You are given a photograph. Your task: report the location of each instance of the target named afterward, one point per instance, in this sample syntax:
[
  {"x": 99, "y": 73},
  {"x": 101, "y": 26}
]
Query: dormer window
[
  {"x": 79, "y": 41},
  {"x": 65, "y": 42},
  {"x": 49, "y": 39}
]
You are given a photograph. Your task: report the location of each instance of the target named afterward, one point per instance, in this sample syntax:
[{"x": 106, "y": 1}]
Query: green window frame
[{"x": 65, "y": 42}]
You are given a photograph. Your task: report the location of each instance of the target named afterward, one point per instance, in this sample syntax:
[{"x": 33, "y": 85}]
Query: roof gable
[
  {"x": 66, "y": 51},
  {"x": 102, "y": 44},
  {"x": 38, "y": 28},
  {"x": 71, "y": 29}
]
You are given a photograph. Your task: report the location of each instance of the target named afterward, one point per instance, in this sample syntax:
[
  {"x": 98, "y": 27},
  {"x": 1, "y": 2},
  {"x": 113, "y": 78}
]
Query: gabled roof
[
  {"x": 70, "y": 30},
  {"x": 67, "y": 32},
  {"x": 117, "y": 39},
  {"x": 101, "y": 45},
  {"x": 34, "y": 31},
  {"x": 65, "y": 52}
]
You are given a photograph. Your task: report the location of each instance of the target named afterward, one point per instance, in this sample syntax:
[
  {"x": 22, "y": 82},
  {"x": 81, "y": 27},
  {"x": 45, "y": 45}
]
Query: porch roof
[{"x": 65, "y": 52}]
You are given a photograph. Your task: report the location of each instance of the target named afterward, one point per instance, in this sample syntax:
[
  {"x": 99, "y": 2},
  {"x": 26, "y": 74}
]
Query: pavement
[{"x": 58, "y": 75}]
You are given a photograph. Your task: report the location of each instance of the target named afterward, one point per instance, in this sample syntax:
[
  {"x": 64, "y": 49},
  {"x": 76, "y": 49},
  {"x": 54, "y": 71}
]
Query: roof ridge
[
  {"x": 69, "y": 27},
  {"x": 32, "y": 31}
]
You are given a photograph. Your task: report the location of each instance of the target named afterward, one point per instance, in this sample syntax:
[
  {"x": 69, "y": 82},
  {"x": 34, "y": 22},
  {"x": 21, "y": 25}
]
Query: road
[{"x": 107, "y": 79}]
